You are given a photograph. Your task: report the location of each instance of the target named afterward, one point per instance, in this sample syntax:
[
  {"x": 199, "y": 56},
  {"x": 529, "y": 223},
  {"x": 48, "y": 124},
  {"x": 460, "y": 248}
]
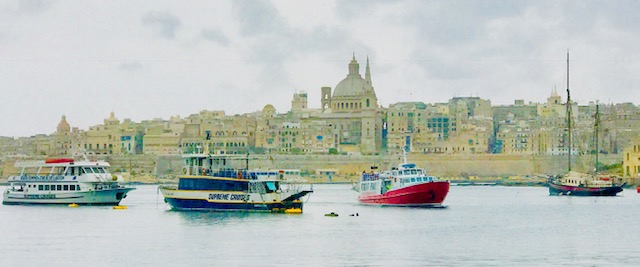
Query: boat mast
[
  {"x": 597, "y": 126},
  {"x": 568, "y": 112}
]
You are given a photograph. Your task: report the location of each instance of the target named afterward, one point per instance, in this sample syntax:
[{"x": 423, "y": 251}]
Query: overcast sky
[{"x": 154, "y": 59}]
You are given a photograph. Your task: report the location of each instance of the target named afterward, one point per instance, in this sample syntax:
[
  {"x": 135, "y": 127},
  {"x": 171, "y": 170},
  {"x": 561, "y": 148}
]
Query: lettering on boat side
[
  {"x": 40, "y": 196},
  {"x": 241, "y": 197},
  {"x": 41, "y": 177}
]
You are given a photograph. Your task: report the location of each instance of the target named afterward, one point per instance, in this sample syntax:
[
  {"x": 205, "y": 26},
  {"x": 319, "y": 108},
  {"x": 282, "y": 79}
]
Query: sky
[{"x": 155, "y": 59}]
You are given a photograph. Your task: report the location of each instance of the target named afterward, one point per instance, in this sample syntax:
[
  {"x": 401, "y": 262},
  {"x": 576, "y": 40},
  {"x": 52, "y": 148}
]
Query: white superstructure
[{"x": 65, "y": 181}]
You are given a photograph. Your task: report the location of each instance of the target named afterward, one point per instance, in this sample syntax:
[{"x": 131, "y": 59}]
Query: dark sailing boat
[{"x": 582, "y": 184}]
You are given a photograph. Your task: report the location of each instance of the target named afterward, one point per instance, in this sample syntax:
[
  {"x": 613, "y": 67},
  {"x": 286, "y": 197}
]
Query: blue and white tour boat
[
  {"x": 213, "y": 182},
  {"x": 64, "y": 181}
]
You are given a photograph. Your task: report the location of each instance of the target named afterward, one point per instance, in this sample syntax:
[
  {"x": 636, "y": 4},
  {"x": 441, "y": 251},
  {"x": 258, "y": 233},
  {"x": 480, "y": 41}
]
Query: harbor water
[{"x": 482, "y": 225}]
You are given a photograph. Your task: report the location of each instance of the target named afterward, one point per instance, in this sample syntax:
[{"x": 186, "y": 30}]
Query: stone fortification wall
[{"x": 440, "y": 165}]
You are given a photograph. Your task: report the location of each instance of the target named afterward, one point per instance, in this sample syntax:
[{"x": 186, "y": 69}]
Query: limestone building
[
  {"x": 353, "y": 112},
  {"x": 62, "y": 136},
  {"x": 103, "y": 138},
  {"x": 631, "y": 160}
]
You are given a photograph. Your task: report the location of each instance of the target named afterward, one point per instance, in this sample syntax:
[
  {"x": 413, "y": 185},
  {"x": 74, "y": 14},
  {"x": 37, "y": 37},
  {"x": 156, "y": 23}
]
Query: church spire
[
  {"x": 554, "y": 92},
  {"x": 367, "y": 74}
]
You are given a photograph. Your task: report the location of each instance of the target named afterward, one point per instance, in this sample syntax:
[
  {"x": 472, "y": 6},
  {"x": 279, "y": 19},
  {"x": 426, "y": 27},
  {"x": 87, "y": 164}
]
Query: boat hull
[
  {"x": 101, "y": 197},
  {"x": 196, "y": 200},
  {"x": 556, "y": 189},
  {"x": 430, "y": 194},
  {"x": 204, "y": 205}
]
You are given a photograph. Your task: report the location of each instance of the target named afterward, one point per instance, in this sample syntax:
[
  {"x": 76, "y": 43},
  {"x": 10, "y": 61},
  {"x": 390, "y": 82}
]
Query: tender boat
[
  {"x": 217, "y": 183},
  {"x": 65, "y": 181},
  {"x": 405, "y": 185}
]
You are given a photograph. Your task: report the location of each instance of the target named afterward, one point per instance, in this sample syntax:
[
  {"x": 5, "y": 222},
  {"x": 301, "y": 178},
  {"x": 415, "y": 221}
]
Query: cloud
[
  {"x": 130, "y": 66},
  {"x": 259, "y": 18},
  {"x": 25, "y": 7},
  {"x": 273, "y": 42},
  {"x": 215, "y": 35},
  {"x": 164, "y": 24}
]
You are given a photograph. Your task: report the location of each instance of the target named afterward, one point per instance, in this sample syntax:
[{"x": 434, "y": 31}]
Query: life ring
[{"x": 114, "y": 177}]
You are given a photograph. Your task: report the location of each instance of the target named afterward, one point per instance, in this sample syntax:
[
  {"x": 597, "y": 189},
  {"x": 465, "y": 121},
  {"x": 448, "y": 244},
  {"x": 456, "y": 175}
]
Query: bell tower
[{"x": 326, "y": 98}]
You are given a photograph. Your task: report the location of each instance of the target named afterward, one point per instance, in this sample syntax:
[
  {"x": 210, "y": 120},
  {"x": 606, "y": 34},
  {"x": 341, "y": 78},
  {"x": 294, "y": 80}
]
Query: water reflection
[{"x": 221, "y": 218}]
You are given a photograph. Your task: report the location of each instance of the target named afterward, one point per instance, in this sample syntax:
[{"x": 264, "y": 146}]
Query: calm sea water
[{"x": 481, "y": 226}]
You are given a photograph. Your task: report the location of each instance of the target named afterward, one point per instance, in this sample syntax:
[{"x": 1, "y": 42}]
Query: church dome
[
  {"x": 269, "y": 110},
  {"x": 354, "y": 84},
  {"x": 351, "y": 86},
  {"x": 63, "y": 126}
]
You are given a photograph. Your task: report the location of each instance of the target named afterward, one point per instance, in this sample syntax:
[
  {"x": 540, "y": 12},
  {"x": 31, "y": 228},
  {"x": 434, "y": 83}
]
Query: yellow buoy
[
  {"x": 73, "y": 205},
  {"x": 119, "y": 207},
  {"x": 293, "y": 211}
]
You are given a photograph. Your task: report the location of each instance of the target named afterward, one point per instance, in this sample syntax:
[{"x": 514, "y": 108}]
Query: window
[
  {"x": 59, "y": 187},
  {"x": 65, "y": 188},
  {"x": 46, "y": 187},
  {"x": 40, "y": 187}
]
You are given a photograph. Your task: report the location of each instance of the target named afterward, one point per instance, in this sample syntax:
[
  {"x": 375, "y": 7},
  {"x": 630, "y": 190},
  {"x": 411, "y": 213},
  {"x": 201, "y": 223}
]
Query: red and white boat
[{"x": 405, "y": 185}]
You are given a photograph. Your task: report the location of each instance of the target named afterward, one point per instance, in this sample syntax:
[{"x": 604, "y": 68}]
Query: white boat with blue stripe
[
  {"x": 64, "y": 181},
  {"x": 212, "y": 182}
]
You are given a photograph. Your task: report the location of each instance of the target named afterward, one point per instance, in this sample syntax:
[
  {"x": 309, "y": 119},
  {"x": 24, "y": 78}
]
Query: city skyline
[{"x": 146, "y": 61}]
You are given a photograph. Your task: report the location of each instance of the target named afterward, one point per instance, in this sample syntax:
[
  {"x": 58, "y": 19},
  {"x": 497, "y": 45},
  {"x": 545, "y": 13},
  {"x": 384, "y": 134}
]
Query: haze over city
[{"x": 149, "y": 59}]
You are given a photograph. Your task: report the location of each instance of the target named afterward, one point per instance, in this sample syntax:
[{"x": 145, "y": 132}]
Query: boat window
[
  {"x": 40, "y": 187},
  {"x": 419, "y": 179},
  {"x": 59, "y": 187},
  {"x": 413, "y": 172},
  {"x": 413, "y": 180},
  {"x": 86, "y": 170},
  {"x": 96, "y": 170},
  {"x": 271, "y": 186},
  {"x": 77, "y": 187},
  {"x": 46, "y": 187},
  {"x": 65, "y": 188}
]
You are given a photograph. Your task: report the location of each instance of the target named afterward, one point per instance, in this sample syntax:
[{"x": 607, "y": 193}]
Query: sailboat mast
[
  {"x": 568, "y": 112},
  {"x": 597, "y": 126}
]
